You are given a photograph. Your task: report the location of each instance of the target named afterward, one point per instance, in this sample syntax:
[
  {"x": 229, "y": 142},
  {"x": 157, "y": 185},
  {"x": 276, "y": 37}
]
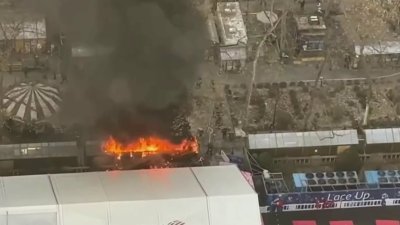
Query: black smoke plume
[{"x": 141, "y": 88}]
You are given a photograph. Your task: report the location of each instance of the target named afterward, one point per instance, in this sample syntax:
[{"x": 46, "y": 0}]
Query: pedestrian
[
  {"x": 277, "y": 204},
  {"x": 210, "y": 149},
  {"x": 383, "y": 201},
  {"x": 200, "y": 132},
  {"x": 302, "y": 4},
  {"x": 347, "y": 60}
]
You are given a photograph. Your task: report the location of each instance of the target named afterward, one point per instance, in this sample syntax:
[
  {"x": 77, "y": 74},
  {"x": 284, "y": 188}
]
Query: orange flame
[{"x": 149, "y": 145}]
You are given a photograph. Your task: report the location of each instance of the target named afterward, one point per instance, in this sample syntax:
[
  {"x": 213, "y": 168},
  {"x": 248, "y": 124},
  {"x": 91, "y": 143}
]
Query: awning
[
  {"x": 304, "y": 222},
  {"x": 343, "y": 222},
  {"x": 387, "y": 222}
]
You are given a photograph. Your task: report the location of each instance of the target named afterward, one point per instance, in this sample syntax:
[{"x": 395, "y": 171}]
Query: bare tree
[
  {"x": 369, "y": 20},
  {"x": 314, "y": 89},
  {"x": 268, "y": 34}
]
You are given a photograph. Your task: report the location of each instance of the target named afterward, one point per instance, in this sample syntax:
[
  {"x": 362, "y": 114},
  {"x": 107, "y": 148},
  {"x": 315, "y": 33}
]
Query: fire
[{"x": 149, "y": 145}]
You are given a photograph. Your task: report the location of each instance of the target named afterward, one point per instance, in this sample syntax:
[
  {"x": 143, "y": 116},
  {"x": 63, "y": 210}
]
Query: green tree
[{"x": 348, "y": 160}]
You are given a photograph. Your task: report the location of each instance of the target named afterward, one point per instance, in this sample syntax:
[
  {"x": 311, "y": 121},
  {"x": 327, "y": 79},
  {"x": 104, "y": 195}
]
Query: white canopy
[
  {"x": 27, "y": 200},
  {"x": 381, "y": 48},
  {"x": 198, "y": 196},
  {"x": 230, "y": 198}
]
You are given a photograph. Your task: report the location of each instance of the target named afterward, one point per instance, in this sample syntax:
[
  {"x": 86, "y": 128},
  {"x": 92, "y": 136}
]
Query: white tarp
[
  {"x": 302, "y": 139},
  {"x": 81, "y": 198},
  {"x": 231, "y": 200},
  {"x": 28, "y": 200},
  {"x": 381, "y": 48},
  {"x": 195, "y": 196},
  {"x": 158, "y": 196}
]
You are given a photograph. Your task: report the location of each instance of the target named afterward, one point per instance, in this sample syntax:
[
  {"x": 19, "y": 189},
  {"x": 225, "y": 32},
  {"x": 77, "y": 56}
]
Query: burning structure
[
  {"x": 149, "y": 146},
  {"x": 138, "y": 91}
]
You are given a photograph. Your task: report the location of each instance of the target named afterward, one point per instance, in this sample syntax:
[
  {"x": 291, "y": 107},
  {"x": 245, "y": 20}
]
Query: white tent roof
[
  {"x": 32, "y": 101},
  {"x": 77, "y": 188},
  {"x": 151, "y": 184},
  {"x": 381, "y": 48},
  {"x": 215, "y": 179},
  {"x": 157, "y": 196},
  {"x": 28, "y": 191},
  {"x": 27, "y": 200},
  {"x": 199, "y": 196},
  {"x": 382, "y": 136},
  {"x": 230, "y": 199},
  {"x": 302, "y": 139}
]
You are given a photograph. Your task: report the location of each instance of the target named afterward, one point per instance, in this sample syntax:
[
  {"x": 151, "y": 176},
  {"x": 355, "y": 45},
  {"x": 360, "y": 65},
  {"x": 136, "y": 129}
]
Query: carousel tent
[
  {"x": 31, "y": 101},
  {"x": 199, "y": 196}
]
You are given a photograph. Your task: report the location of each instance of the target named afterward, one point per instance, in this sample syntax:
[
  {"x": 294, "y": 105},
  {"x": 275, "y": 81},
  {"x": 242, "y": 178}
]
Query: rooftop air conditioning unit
[{"x": 381, "y": 173}]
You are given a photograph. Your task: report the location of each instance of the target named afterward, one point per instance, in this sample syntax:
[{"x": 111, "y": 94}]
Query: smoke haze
[{"x": 140, "y": 88}]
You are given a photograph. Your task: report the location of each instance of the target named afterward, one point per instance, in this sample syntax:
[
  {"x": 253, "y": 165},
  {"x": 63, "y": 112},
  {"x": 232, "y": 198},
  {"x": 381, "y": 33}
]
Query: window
[{"x": 315, "y": 45}]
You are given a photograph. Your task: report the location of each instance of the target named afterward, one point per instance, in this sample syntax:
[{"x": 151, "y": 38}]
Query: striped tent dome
[{"x": 31, "y": 101}]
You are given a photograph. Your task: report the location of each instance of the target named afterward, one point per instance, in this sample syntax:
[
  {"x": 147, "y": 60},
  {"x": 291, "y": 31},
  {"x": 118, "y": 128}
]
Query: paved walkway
[{"x": 279, "y": 73}]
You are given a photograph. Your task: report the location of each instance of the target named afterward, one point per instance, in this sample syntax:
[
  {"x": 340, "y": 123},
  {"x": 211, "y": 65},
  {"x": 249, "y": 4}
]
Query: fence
[
  {"x": 335, "y": 205},
  {"x": 330, "y": 160}
]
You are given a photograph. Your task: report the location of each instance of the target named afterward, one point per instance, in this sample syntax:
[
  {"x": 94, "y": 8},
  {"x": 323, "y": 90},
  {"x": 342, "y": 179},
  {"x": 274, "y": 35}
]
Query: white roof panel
[
  {"x": 287, "y": 140},
  {"x": 396, "y": 135},
  {"x": 204, "y": 195},
  {"x": 302, "y": 139},
  {"x": 231, "y": 200},
  {"x": 381, "y": 48},
  {"x": 262, "y": 141},
  {"x": 222, "y": 180},
  {"x": 23, "y": 191},
  {"x": 150, "y": 184},
  {"x": 77, "y": 188},
  {"x": 155, "y": 196},
  {"x": 230, "y": 23},
  {"x": 379, "y": 136}
]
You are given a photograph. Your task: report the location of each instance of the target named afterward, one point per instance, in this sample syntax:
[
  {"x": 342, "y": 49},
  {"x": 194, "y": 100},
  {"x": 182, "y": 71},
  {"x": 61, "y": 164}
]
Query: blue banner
[{"x": 335, "y": 196}]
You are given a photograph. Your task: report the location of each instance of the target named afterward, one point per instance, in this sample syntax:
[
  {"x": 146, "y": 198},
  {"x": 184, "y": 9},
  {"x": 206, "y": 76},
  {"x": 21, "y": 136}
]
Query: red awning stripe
[
  {"x": 387, "y": 222},
  {"x": 341, "y": 222},
  {"x": 304, "y": 222}
]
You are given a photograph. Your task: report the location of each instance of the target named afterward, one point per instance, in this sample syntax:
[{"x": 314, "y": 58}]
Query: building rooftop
[
  {"x": 212, "y": 30},
  {"x": 382, "y": 136},
  {"x": 303, "y": 139},
  {"x": 230, "y": 24},
  {"x": 22, "y": 24},
  {"x": 306, "y": 23},
  {"x": 379, "y": 48}
]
